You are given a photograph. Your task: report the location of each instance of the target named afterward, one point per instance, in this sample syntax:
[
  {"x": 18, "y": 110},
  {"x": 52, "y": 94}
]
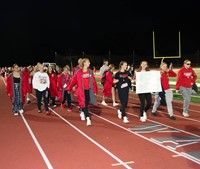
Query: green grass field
[{"x": 195, "y": 97}]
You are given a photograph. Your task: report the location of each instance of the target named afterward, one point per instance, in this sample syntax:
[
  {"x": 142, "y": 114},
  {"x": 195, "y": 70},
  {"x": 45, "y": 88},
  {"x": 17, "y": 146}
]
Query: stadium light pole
[
  {"x": 109, "y": 56},
  {"x": 133, "y": 56}
]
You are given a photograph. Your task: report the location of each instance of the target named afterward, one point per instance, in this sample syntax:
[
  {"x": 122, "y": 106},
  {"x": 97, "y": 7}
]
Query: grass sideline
[{"x": 195, "y": 98}]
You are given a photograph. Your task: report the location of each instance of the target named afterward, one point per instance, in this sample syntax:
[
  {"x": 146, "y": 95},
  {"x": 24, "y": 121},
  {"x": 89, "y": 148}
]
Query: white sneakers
[
  {"x": 88, "y": 121},
  {"x": 104, "y": 103},
  {"x": 185, "y": 114},
  {"x": 16, "y": 114},
  {"x": 115, "y": 104},
  {"x": 119, "y": 114},
  {"x": 125, "y": 119},
  {"x": 82, "y": 115},
  {"x": 21, "y": 111},
  {"x": 144, "y": 117}
]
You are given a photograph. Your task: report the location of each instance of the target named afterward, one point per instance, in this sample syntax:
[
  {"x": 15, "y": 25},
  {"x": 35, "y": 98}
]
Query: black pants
[
  {"x": 67, "y": 97},
  {"x": 123, "y": 97},
  {"x": 52, "y": 99},
  {"x": 45, "y": 95},
  {"x": 87, "y": 100},
  {"x": 145, "y": 97}
]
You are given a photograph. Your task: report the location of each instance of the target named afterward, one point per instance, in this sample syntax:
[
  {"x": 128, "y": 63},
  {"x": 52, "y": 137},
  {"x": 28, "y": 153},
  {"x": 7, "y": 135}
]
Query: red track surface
[{"x": 63, "y": 141}]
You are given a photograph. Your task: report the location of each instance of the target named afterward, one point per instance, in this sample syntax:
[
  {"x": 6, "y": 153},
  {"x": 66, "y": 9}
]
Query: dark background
[{"x": 32, "y": 31}]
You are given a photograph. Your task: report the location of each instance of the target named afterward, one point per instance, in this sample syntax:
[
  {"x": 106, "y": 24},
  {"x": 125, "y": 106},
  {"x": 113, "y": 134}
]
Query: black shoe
[
  {"x": 172, "y": 118},
  {"x": 153, "y": 114}
]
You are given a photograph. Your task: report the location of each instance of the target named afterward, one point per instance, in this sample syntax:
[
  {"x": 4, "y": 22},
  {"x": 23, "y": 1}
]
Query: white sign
[{"x": 148, "y": 82}]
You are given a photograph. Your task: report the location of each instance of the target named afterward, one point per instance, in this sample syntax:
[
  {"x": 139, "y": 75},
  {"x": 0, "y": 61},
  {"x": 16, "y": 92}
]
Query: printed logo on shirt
[
  {"x": 124, "y": 85},
  {"x": 188, "y": 74},
  {"x": 123, "y": 75},
  {"x": 42, "y": 79},
  {"x": 86, "y": 75}
]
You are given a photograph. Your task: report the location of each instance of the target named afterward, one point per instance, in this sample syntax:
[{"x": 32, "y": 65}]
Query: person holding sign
[{"x": 146, "y": 96}]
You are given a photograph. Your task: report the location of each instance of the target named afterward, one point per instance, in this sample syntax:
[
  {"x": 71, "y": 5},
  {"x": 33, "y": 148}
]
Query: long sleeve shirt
[{"x": 40, "y": 81}]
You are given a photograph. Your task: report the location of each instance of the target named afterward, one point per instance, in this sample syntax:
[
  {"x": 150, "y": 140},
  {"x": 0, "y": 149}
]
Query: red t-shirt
[{"x": 86, "y": 80}]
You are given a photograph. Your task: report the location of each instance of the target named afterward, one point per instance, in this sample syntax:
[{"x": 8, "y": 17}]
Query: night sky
[{"x": 33, "y": 31}]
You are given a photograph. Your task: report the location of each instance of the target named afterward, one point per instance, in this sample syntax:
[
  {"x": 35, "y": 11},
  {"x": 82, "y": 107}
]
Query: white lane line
[
  {"x": 37, "y": 144},
  {"x": 89, "y": 138},
  {"x": 128, "y": 162},
  {"x": 46, "y": 160},
  {"x": 93, "y": 141}
]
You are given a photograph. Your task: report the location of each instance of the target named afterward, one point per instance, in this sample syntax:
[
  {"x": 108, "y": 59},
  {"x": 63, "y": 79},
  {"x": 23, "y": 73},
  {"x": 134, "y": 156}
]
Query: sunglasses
[{"x": 188, "y": 63}]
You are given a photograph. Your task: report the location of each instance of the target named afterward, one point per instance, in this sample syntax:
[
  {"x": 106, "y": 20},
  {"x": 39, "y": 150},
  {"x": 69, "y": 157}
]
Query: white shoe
[
  {"x": 88, "y": 121},
  {"x": 21, "y": 111},
  {"x": 16, "y": 114},
  {"x": 54, "y": 105},
  {"x": 142, "y": 119},
  {"x": 104, "y": 103},
  {"x": 125, "y": 119},
  {"x": 185, "y": 114},
  {"x": 119, "y": 114},
  {"x": 82, "y": 115},
  {"x": 145, "y": 115},
  {"x": 115, "y": 104}
]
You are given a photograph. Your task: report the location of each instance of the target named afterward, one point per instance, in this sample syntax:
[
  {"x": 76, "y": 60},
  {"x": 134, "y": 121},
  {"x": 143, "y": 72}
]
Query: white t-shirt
[
  {"x": 40, "y": 81},
  {"x": 102, "y": 69}
]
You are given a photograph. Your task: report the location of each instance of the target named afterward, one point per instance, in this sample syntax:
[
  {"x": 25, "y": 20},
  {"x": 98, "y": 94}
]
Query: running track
[{"x": 63, "y": 141}]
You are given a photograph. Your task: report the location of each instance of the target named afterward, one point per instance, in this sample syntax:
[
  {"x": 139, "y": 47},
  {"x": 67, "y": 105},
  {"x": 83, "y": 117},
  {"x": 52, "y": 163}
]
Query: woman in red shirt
[
  {"x": 86, "y": 88},
  {"x": 64, "y": 80},
  {"x": 108, "y": 86},
  {"x": 185, "y": 79},
  {"x": 168, "y": 95},
  {"x": 53, "y": 92}
]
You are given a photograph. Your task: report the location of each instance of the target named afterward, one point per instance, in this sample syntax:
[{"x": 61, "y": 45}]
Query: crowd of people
[{"x": 65, "y": 84}]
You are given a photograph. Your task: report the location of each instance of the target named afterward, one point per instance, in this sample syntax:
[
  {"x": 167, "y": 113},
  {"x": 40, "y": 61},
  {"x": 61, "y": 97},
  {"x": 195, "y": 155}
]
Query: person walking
[
  {"x": 16, "y": 86},
  {"x": 64, "y": 80},
  {"x": 53, "y": 91},
  {"x": 41, "y": 85},
  {"x": 145, "y": 98},
  {"x": 86, "y": 89},
  {"x": 123, "y": 83},
  {"x": 185, "y": 80},
  {"x": 108, "y": 86},
  {"x": 103, "y": 67},
  {"x": 168, "y": 95}
]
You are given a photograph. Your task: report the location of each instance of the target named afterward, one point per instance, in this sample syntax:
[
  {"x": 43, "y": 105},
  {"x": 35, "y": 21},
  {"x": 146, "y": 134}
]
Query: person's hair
[
  {"x": 111, "y": 66},
  {"x": 66, "y": 66},
  {"x": 84, "y": 60},
  {"x": 105, "y": 60},
  {"x": 15, "y": 64},
  {"x": 140, "y": 67},
  {"x": 163, "y": 63},
  {"x": 79, "y": 60},
  {"x": 187, "y": 60},
  {"x": 121, "y": 64}
]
